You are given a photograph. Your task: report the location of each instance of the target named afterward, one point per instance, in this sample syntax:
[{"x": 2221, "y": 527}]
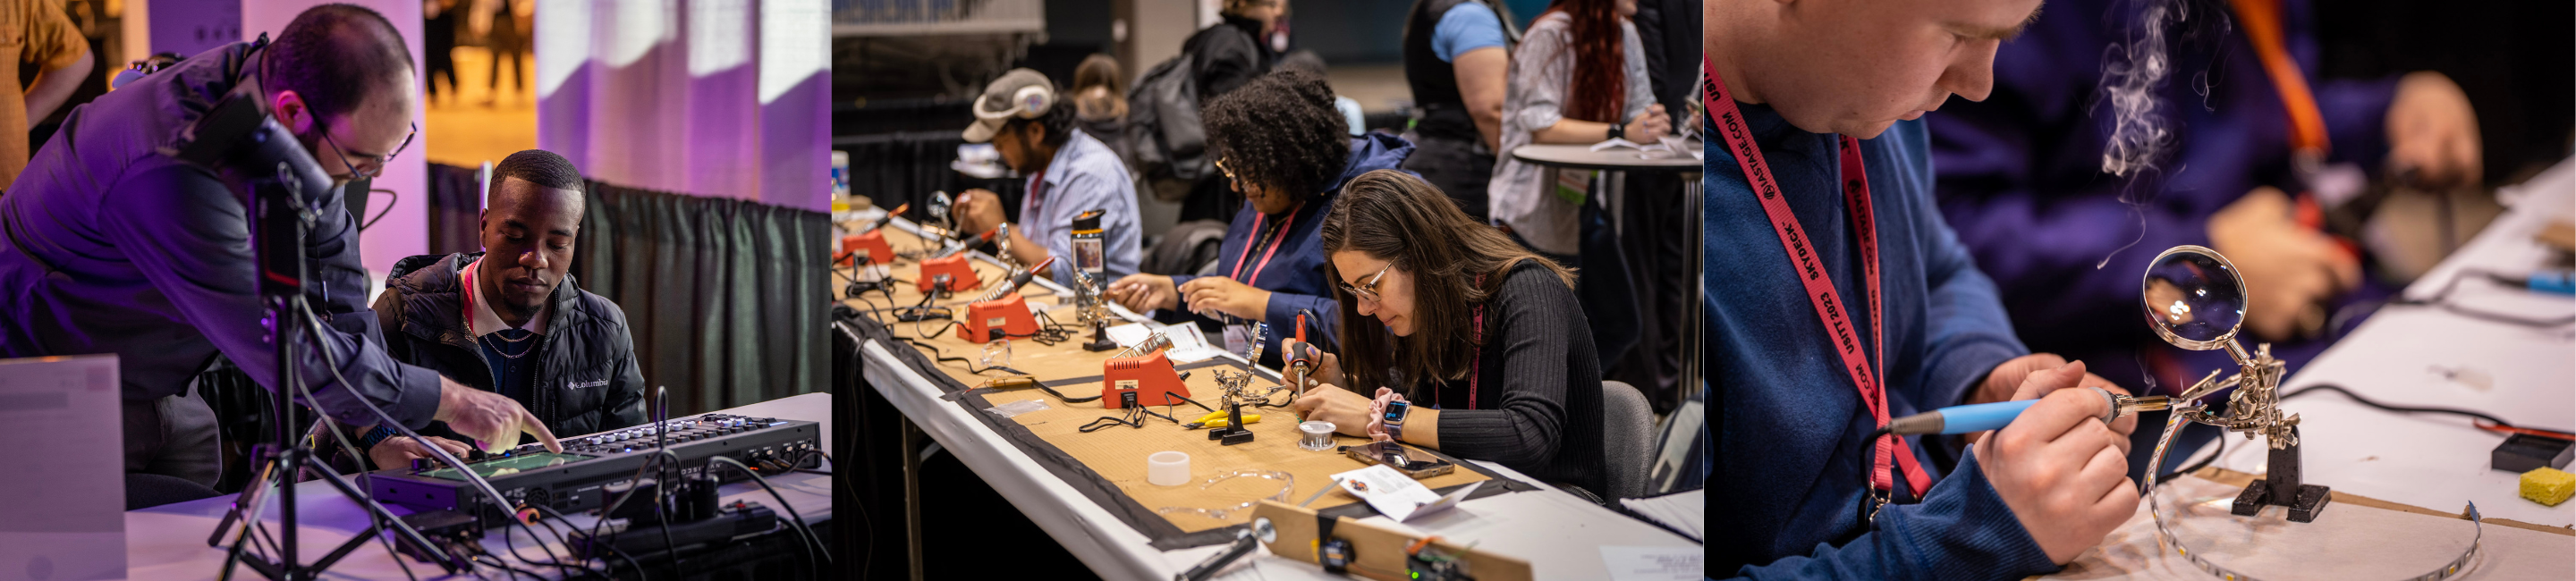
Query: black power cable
[
  {"x": 331, "y": 362},
  {"x": 795, "y": 519},
  {"x": 2443, "y": 300},
  {"x": 2357, "y": 398}
]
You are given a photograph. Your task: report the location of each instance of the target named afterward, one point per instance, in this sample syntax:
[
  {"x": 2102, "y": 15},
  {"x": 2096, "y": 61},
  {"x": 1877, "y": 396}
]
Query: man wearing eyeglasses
[{"x": 109, "y": 246}]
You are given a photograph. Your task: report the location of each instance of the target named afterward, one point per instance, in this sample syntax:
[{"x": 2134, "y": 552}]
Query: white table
[
  {"x": 2439, "y": 461},
  {"x": 1581, "y": 156},
  {"x": 1558, "y": 533},
  {"x": 1612, "y": 162},
  {"x": 169, "y": 542}
]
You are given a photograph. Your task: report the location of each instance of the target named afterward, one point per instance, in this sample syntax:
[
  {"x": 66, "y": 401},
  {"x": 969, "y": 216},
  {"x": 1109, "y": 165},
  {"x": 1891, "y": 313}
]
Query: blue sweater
[
  {"x": 1295, "y": 277},
  {"x": 1790, "y": 425}
]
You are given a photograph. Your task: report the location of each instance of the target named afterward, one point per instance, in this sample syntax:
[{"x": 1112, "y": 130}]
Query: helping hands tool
[{"x": 1236, "y": 392}]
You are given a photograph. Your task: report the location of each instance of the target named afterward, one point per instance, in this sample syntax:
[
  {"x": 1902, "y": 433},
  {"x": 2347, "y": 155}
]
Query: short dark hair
[
  {"x": 1281, "y": 130},
  {"x": 335, "y": 56},
  {"x": 540, "y": 167},
  {"x": 1058, "y": 121}
]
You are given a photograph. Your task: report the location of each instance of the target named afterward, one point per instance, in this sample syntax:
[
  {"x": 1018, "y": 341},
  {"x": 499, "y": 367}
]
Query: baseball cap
[{"x": 1021, "y": 93}]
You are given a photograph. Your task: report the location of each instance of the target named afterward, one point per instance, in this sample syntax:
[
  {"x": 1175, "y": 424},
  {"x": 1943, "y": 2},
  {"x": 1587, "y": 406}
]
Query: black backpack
[{"x": 1164, "y": 131}]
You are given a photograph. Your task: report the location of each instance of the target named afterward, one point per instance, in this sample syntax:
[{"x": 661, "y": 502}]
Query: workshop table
[
  {"x": 2355, "y": 537},
  {"x": 169, "y": 541},
  {"x": 1559, "y": 534},
  {"x": 1614, "y": 199},
  {"x": 2401, "y": 481},
  {"x": 2409, "y": 355}
]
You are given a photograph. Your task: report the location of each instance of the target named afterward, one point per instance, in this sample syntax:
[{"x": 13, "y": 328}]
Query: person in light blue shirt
[
  {"x": 1069, "y": 173},
  {"x": 1457, "y": 59},
  {"x": 1466, "y": 26}
]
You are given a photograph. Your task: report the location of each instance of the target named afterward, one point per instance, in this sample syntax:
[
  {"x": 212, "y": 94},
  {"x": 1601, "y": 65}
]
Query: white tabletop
[
  {"x": 1581, "y": 156},
  {"x": 2521, "y": 374},
  {"x": 169, "y": 542},
  {"x": 1558, "y": 533},
  {"x": 2344, "y": 542}
]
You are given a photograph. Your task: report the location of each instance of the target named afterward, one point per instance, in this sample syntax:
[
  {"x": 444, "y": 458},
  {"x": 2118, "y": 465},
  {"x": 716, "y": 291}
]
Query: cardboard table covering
[
  {"x": 909, "y": 249},
  {"x": 1108, "y": 464}
]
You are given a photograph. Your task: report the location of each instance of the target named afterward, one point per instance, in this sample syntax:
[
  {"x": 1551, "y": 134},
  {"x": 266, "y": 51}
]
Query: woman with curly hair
[
  {"x": 1455, "y": 338},
  {"x": 1279, "y": 142}
]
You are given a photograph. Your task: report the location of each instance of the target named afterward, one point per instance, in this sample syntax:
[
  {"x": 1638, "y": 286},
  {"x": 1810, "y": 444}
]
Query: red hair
[{"x": 1600, "y": 88}]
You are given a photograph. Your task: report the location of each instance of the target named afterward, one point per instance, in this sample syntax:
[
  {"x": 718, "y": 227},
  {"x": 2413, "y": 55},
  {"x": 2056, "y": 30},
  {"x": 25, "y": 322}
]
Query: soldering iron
[{"x": 1961, "y": 419}]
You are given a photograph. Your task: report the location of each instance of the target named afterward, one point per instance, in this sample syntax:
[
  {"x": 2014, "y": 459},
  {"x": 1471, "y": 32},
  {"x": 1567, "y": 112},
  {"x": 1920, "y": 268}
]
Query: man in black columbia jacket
[{"x": 509, "y": 319}]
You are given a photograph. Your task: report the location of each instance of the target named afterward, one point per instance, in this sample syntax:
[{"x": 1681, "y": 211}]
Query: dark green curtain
[{"x": 727, "y": 299}]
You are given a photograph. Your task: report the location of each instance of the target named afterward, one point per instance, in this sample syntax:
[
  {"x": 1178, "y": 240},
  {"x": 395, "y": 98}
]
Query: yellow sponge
[{"x": 2548, "y": 486}]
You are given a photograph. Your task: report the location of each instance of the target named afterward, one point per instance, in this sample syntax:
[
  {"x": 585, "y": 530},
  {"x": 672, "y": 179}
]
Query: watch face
[{"x": 1395, "y": 411}]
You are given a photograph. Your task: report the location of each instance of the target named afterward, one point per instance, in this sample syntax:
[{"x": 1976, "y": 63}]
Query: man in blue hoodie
[
  {"x": 1285, "y": 148},
  {"x": 1837, "y": 298}
]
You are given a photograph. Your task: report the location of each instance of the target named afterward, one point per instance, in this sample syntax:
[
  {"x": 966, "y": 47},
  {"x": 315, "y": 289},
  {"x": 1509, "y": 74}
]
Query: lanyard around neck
[
  {"x": 1810, "y": 271},
  {"x": 1277, "y": 236}
]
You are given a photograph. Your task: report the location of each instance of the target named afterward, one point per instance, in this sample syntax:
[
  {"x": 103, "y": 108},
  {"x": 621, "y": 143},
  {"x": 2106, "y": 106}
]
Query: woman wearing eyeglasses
[
  {"x": 1455, "y": 338},
  {"x": 1283, "y": 145}
]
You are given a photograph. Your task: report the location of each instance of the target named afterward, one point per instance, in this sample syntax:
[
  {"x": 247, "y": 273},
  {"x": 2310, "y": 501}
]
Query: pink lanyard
[
  {"x": 1820, "y": 288},
  {"x": 1276, "y": 237},
  {"x": 1476, "y": 374},
  {"x": 1476, "y": 370}
]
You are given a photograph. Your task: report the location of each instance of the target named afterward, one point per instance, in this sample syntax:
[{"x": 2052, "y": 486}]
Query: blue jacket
[
  {"x": 1295, "y": 277},
  {"x": 107, "y": 246},
  {"x": 1790, "y": 425},
  {"x": 2021, "y": 173}
]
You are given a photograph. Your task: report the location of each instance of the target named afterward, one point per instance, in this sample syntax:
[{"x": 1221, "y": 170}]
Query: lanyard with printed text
[{"x": 1820, "y": 288}]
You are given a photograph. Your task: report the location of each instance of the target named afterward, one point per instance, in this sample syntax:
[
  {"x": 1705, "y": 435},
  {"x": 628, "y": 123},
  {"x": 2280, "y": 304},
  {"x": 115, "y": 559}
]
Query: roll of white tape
[
  {"x": 1319, "y": 435},
  {"x": 1167, "y": 468}
]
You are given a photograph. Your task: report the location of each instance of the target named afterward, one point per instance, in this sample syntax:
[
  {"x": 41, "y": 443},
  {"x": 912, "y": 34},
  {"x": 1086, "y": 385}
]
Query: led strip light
[{"x": 2165, "y": 536}]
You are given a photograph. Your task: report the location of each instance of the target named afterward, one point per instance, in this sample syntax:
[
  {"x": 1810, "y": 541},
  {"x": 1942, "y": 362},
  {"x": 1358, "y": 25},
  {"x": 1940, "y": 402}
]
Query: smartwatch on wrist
[
  {"x": 1394, "y": 418},
  {"x": 376, "y": 436},
  {"x": 1617, "y": 130}
]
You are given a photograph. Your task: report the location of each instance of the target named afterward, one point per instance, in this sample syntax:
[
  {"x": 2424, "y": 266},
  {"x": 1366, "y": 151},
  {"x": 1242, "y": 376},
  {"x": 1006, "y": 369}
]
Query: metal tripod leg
[{"x": 912, "y": 494}]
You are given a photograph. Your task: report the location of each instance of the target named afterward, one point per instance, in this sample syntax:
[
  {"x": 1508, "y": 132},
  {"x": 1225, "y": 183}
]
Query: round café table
[{"x": 1613, "y": 162}]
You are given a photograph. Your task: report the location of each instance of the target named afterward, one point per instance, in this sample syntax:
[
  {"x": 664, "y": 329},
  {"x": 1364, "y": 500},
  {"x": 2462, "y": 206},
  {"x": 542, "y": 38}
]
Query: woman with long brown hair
[
  {"x": 1578, "y": 77},
  {"x": 1455, "y": 338}
]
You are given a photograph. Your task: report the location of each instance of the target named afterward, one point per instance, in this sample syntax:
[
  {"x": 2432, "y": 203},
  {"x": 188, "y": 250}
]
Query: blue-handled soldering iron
[{"x": 1961, "y": 419}]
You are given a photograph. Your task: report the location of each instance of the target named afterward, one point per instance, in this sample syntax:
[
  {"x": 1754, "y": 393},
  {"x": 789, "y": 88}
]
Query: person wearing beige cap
[{"x": 1068, "y": 172}]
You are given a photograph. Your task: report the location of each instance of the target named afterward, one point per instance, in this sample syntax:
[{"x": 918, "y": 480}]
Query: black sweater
[{"x": 1538, "y": 403}]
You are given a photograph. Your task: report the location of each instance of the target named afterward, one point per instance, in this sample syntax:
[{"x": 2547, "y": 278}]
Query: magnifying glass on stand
[{"x": 2195, "y": 299}]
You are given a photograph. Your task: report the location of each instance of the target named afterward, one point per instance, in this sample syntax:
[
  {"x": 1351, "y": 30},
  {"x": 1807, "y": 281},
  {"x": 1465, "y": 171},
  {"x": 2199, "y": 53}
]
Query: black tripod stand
[
  {"x": 280, "y": 218},
  {"x": 285, "y": 461}
]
